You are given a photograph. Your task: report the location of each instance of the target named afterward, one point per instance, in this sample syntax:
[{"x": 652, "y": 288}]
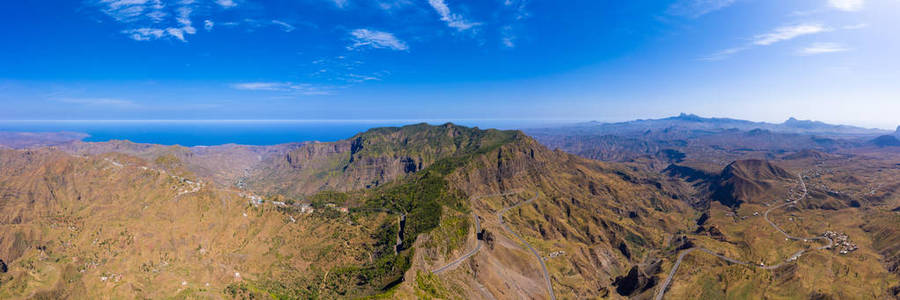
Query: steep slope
[
  {"x": 394, "y": 204},
  {"x": 886, "y": 141},
  {"x": 225, "y": 165},
  {"x": 809, "y": 154},
  {"x": 369, "y": 159},
  {"x": 118, "y": 226},
  {"x": 749, "y": 181},
  {"x": 598, "y": 222},
  {"x": 607, "y": 218}
]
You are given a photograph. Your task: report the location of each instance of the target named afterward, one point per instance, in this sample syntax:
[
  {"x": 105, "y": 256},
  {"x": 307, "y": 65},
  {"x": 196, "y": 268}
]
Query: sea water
[{"x": 217, "y": 132}]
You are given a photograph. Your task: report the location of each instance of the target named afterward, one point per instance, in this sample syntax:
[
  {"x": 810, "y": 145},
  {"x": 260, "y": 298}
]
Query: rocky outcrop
[
  {"x": 367, "y": 160},
  {"x": 886, "y": 141},
  {"x": 634, "y": 282},
  {"x": 809, "y": 154},
  {"x": 610, "y": 216},
  {"x": 749, "y": 180}
]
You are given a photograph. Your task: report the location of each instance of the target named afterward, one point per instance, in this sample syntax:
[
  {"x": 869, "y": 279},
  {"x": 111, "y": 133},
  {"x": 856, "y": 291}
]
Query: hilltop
[{"x": 376, "y": 215}]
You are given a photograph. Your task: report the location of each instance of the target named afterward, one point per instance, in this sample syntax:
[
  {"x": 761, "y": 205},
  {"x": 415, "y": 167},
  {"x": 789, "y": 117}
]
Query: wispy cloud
[
  {"x": 340, "y": 3},
  {"x": 847, "y": 5},
  {"x": 515, "y": 15},
  {"x": 855, "y": 27},
  {"x": 98, "y": 102},
  {"x": 145, "y": 34},
  {"x": 208, "y": 25},
  {"x": 391, "y": 5},
  {"x": 376, "y": 39},
  {"x": 150, "y": 19},
  {"x": 787, "y": 32},
  {"x": 453, "y": 20},
  {"x": 226, "y": 3},
  {"x": 822, "y": 48},
  {"x": 508, "y": 39},
  {"x": 779, "y": 34},
  {"x": 723, "y": 54},
  {"x": 284, "y": 26},
  {"x": 132, "y": 10},
  {"x": 697, "y": 8},
  {"x": 344, "y": 71},
  {"x": 293, "y": 88}
]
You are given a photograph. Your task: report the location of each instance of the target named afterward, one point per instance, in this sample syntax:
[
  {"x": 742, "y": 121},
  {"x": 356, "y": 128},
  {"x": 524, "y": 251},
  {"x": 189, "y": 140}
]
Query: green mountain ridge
[{"x": 391, "y": 205}]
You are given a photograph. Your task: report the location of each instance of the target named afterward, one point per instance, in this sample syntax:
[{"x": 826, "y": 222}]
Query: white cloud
[
  {"x": 513, "y": 15},
  {"x": 357, "y": 78},
  {"x": 453, "y": 20},
  {"x": 847, "y": 5},
  {"x": 508, "y": 37},
  {"x": 697, "y": 8},
  {"x": 151, "y": 19},
  {"x": 208, "y": 25},
  {"x": 340, "y": 3},
  {"x": 779, "y": 34},
  {"x": 508, "y": 42},
  {"x": 786, "y": 33},
  {"x": 822, "y": 48},
  {"x": 98, "y": 102},
  {"x": 132, "y": 10},
  {"x": 284, "y": 26},
  {"x": 288, "y": 87},
  {"x": 855, "y": 27},
  {"x": 226, "y": 3},
  {"x": 261, "y": 86},
  {"x": 723, "y": 54},
  {"x": 145, "y": 34},
  {"x": 392, "y": 5},
  {"x": 376, "y": 39}
]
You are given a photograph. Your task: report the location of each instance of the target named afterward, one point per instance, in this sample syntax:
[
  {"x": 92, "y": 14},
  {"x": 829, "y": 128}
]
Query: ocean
[{"x": 246, "y": 132}]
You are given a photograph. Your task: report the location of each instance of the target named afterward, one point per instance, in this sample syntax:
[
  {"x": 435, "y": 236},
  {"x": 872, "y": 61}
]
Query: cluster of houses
[
  {"x": 555, "y": 254},
  {"x": 841, "y": 242},
  {"x": 305, "y": 208},
  {"x": 192, "y": 186},
  {"x": 254, "y": 199},
  {"x": 342, "y": 209}
]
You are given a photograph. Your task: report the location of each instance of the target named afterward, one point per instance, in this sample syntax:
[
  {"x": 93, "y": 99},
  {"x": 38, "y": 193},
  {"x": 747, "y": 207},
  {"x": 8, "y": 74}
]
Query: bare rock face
[
  {"x": 367, "y": 160},
  {"x": 635, "y": 282},
  {"x": 607, "y": 214}
]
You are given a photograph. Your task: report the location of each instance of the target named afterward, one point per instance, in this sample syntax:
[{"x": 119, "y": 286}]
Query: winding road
[
  {"x": 665, "y": 284},
  {"x": 467, "y": 255},
  {"x": 538, "y": 256},
  {"x": 505, "y": 227},
  {"x": 477, "y": 229}
]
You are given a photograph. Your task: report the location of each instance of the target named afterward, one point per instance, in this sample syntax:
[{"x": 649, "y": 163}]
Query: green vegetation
[
  {"x": 421, "y": 197},
  {"x": 428, "y": 286},
  {"x": 320, "y": 199}
]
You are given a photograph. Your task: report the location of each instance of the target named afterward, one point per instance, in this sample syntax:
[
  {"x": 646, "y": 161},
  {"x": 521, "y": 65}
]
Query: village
[
  {"x": 305, "y": 208},
  {"x": 841, "y": 242}
]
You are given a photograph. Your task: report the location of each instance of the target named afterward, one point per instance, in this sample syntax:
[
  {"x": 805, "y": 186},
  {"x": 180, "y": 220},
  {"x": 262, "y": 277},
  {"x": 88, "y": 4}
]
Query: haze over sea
[{"x": 247, "y": 132}]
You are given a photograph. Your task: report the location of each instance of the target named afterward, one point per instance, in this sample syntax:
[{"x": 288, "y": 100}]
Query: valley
[{"x": 451, "y": 212}]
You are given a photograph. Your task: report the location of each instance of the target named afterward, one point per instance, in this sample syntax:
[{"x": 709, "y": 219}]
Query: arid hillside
[{"x": 445, "y": 212}]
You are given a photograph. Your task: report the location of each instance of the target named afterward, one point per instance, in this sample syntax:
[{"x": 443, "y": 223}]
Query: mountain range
[{"x": 452, "y": 212}]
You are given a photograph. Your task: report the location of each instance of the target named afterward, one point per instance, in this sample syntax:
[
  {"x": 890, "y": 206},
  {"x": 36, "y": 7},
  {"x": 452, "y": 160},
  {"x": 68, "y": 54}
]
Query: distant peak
[{"x": 689, "y": 117}]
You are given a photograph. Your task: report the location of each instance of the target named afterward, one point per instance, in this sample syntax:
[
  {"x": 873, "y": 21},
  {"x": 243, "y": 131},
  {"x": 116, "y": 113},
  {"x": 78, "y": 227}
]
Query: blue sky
[{"x": 830, "y": 60}]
